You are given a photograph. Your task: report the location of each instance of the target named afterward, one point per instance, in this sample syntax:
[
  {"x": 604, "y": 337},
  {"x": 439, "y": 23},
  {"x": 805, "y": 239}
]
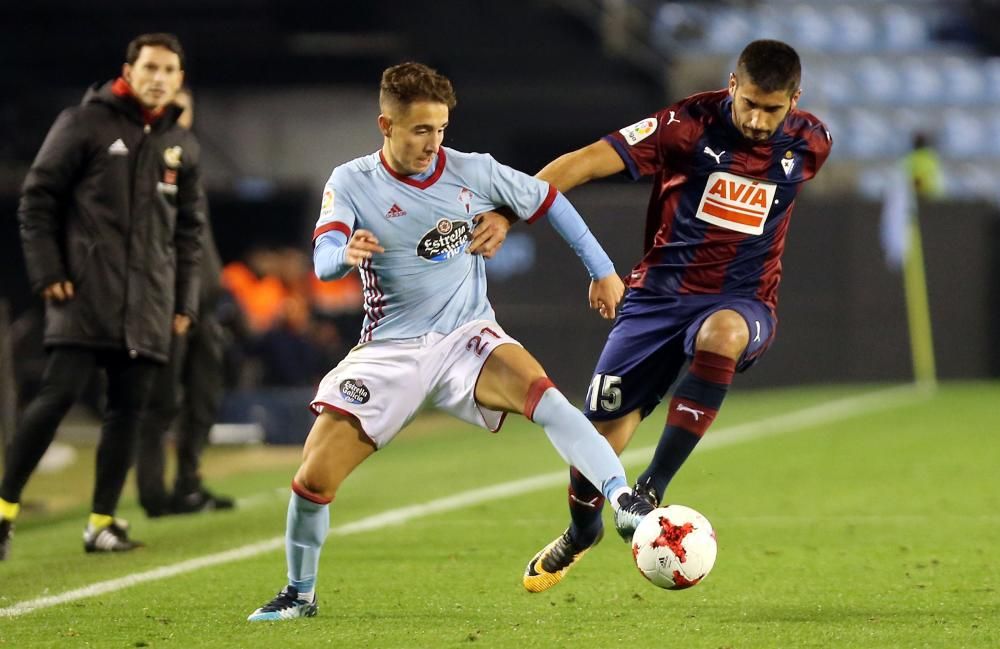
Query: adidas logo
[
  {"x": 395, "y": 212},
  {"x": 118, "y": 148}
]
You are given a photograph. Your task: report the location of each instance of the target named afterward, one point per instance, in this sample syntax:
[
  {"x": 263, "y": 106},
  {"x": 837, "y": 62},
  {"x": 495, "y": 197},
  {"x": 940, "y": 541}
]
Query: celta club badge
[
  {"x": 465, "y": 198},
  {"x": 172, "y": 156}
]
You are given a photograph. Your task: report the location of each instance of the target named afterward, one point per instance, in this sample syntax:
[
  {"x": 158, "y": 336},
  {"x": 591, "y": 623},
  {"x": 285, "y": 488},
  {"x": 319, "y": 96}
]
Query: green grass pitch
[{"x": 876, "y": 528}]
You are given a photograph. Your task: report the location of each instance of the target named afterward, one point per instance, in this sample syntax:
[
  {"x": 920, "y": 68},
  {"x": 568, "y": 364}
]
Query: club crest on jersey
[
  {"x": 447, "y": 239},
  {"x": 736, "y": 203},
  {"x": 788, "y": 163},
  {"x": 327, "y": 207},
  {"x": 639, "y": 131},
  {"x": 355, "y": 391},
  {"x": 172, "y": 156},
  {"x": 465, "y": 198}
]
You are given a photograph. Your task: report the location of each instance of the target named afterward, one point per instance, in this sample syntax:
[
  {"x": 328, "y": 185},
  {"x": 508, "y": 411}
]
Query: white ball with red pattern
[{"x": 674, "y": 547}]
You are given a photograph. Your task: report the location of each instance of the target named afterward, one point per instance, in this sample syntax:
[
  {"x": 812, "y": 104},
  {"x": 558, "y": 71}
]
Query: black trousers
[
  {"x": 67, "y": 372},
  {"x": 187, "y": 393}
]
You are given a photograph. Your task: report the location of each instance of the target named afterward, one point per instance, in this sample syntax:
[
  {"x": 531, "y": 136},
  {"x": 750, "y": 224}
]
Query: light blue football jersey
[{"x": 425, "y": 281}]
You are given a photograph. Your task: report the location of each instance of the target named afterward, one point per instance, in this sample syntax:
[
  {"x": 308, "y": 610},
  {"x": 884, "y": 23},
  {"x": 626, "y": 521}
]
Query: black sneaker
[
  {"x": 647, "y": 492},
  {"x": 631, "y": 509},
  {"x": 551, "y": 563},
  {"x": 201, "y": 500},
  {"x": 285, "y": 606},
  {"x": 112, "y": 538},
  {"x": 6, "y": 534}
]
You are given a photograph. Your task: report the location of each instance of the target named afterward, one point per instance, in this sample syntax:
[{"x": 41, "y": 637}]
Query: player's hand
[
  {"x": 58, "y": 292},
  {"x": 489, "y": 234},
  {"x": 362, "y": 246},
  {"x": 181, "y": 323},
  {"x": 605, "y": 294}
]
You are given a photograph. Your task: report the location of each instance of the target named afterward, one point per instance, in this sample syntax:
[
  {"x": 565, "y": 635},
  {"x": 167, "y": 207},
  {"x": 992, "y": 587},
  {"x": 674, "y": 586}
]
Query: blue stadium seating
[{"x": 877, "y": 71}]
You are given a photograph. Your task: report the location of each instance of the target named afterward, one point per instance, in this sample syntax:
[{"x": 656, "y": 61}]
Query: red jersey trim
[
  {"x": 332, "y": 225},
  {"x": 312, "y": 497},
  {"x": 419, "y": 184},
  {"x": 543, "y": 209}
]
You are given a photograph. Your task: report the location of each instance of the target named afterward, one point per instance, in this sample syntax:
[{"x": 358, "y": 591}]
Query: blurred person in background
[
  {"x": 187, "y": 391},
  {"x": 269, "y": 287},
  {"x": 917, "y": 176},
  {"x": 923, "y": 168},
  {"x": 110, "y": 224},
  {"x": 296, "y": 326},
  {"x": 727, "y": 166}
]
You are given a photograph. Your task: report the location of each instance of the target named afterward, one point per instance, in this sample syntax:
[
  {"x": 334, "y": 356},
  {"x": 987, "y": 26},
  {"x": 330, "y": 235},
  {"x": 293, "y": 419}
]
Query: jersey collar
[{"x": 419, "y": 184}]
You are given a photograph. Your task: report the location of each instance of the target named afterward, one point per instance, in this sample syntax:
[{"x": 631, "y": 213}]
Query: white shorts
[{"x": 385, "y": 383}]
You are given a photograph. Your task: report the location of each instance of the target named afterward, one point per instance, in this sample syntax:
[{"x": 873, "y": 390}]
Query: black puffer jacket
[{"x": 113, "y": 206}]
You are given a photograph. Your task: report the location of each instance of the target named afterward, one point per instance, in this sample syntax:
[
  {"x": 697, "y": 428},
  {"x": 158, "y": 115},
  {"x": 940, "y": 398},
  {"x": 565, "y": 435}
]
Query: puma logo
[
  {"x": 673, "y": 119},
  {"x": 717, "y": 156},
  {"x": 592, "y": 503},
  {"x": 694, "y": 413}
]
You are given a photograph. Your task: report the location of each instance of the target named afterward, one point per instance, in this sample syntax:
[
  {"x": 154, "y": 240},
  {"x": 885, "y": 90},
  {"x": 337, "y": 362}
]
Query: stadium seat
[
  {"x": 965, "y": 80},
  {"x": 903, "y": 30},
  {"x": 963, "y": 134}
]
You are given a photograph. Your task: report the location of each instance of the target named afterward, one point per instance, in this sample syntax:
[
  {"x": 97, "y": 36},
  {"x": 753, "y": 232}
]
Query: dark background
[{"x": 287, "y": 90}]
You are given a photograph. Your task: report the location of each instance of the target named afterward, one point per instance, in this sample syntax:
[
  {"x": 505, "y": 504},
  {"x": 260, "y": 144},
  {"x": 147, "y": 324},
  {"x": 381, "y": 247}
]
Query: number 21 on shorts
[
  {"x": 477, "y": 344},
  {"x": 604, "y": 391}
]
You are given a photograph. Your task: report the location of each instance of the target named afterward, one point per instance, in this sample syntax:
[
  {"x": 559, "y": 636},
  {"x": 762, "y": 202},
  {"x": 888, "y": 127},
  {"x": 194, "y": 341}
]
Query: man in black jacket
[
  {"x": 110, "y": 226},
  {"x": 187, "y": 392}
]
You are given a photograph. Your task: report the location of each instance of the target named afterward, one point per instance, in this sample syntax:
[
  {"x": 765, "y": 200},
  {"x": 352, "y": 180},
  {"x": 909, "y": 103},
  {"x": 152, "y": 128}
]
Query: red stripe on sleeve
[
  {"x": 544, "y": 207},
  {"x": 332, "y": 225}
]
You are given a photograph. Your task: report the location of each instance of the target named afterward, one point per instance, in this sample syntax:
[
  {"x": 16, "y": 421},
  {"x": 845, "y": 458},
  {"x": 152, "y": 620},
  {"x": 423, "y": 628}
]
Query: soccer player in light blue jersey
[{"x": 406, "y": 218}]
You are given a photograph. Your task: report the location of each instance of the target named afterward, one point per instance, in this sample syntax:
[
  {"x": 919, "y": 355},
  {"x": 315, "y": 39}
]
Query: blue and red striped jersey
[{"x": 720, "y": 205}]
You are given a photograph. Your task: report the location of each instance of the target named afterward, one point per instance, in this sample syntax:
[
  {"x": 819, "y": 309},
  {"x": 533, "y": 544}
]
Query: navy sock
[
  {"x": 693, "y": 408},
  {"x": 585, "y": 504}
]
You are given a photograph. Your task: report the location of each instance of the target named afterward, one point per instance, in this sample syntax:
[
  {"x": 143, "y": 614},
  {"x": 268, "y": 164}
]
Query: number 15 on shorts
[{"x": 604, "y": 392}]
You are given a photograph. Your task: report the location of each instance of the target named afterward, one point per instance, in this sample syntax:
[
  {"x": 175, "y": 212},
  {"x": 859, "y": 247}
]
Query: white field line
[{"x": 840, "y": 409}]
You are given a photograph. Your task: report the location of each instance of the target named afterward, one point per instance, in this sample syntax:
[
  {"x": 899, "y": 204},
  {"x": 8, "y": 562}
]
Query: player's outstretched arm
[
  {"x": 606, "y": 287},
  {"x": 597, "y": 160},
  {"x": 333, "y": 257}
]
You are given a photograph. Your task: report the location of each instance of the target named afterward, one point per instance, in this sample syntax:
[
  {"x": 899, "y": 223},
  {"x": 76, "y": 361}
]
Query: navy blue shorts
[{"x": 652, "y": 338}]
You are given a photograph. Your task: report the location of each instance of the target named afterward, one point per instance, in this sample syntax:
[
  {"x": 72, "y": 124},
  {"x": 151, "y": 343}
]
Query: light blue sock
[
  {"x": 579, "y": 443},
  {"x": 308, "y": 524}
]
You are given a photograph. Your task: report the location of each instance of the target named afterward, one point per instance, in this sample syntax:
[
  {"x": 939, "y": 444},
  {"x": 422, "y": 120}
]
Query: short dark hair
[
  {"x": 771, "y": 66},
  {"x": 160, "y": 39},
  {"x": 407, "y": 83}
]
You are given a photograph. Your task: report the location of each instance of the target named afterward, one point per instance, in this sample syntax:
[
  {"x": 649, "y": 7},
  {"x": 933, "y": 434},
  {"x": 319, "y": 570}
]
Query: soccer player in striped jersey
[
  {"x": 726, "y": 166},
  {"x": 406, "y": 217}
]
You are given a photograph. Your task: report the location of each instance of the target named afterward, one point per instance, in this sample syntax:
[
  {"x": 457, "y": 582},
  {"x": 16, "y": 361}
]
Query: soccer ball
[{"x": 674, "y": 547}]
